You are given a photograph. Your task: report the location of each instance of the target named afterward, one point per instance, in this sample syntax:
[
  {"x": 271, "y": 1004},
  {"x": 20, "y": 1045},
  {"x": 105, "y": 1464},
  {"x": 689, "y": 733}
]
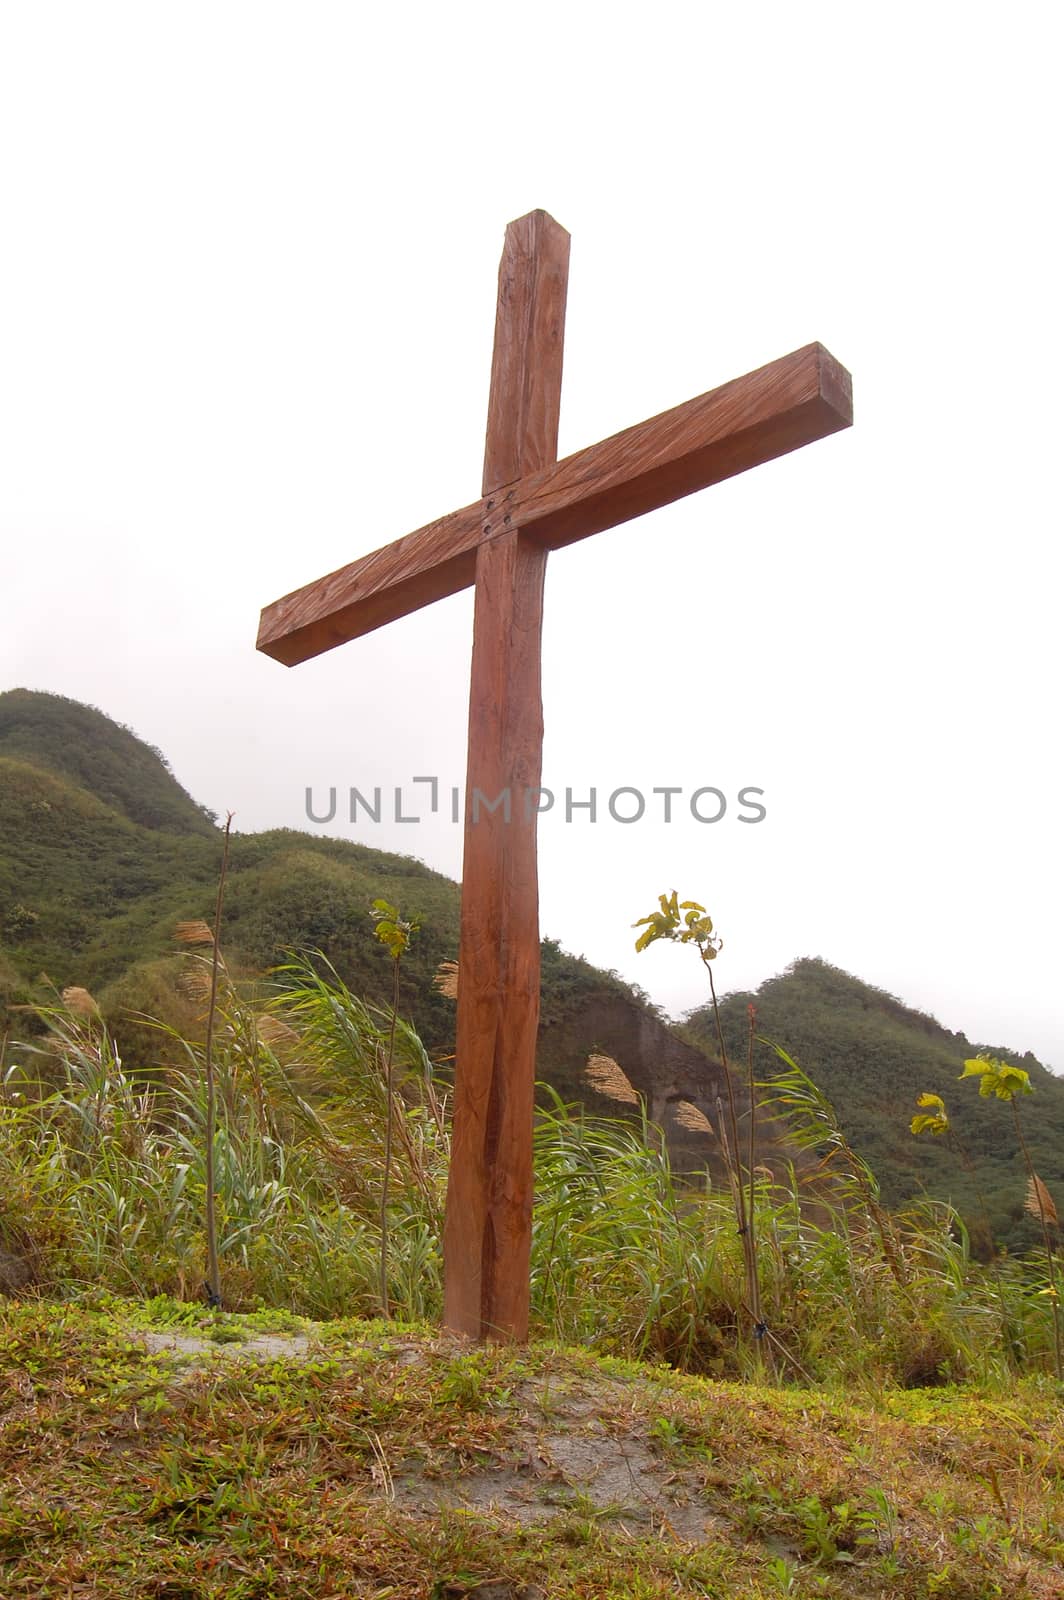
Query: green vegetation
[
  {"x": 102, "y": 854},
  {"x": 91, "y": 888},
  {"x": 872, "y": 1057},
  {"x": 395, "y": 935},
  {"x": 695, "y": 929},
  {"x": 98, "y": 755},
  {"x": 1006, "y": 1082},
  {"x": 104, "y": 1180},
  {"x": 377, "y": 1461},
  {"x": 104, "y": 1174},
  {"x": 155, "y": 1445}
]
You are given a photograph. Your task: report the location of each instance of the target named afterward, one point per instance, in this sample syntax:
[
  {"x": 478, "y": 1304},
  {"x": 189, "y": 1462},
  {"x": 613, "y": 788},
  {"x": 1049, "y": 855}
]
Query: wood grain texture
[
  {"x": 525, "y": 395},
  {"x": 436, "y": 561},
  {"x": 778, "y": 408},
  {"x": 768, "y": 413},
  {"x": 488, "y": 1225}
]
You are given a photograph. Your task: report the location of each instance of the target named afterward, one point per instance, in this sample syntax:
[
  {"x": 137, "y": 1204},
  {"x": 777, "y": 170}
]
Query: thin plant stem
[
  {"x": 755, "y": 1276},
  {"x": 214, "y": 1281},
  {"x": 960, "y": 1150},
  {"x": 388, "y": 1072},
  {"x": 1058, "y": 1352},
  {"x": 745, "y": 1216},
  {"x": 753, "y": 1123}
]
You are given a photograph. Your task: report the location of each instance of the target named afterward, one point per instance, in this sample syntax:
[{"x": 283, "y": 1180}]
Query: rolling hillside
[
  {"x": 102, "y": 853},
  {"x": 873, "y": 1055}
]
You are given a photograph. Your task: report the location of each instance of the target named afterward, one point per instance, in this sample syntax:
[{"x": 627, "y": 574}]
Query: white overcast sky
[{"x": 247, "y": 279}]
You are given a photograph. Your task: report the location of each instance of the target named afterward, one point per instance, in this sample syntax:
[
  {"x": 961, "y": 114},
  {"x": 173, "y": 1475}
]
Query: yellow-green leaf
[{"x": 924, "y": 1122}]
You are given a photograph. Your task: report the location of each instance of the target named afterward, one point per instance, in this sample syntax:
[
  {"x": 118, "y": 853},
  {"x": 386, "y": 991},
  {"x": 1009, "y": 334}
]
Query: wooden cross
[{"x": 531, "y": 503}]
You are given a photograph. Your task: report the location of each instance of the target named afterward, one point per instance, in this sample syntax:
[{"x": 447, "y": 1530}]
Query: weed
[
  {"x": 781, "y": 1575},
  {"x": 395, "y": 935},
  {"x": 1000, "y": 1080}
]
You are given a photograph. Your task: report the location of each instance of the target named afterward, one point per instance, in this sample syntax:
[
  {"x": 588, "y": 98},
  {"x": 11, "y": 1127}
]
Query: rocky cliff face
[{"x": 682, "y": 1086}]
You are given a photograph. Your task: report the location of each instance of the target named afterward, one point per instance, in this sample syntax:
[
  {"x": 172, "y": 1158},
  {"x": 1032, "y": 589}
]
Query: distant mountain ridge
[
  {"x": 102, "y": 852},
  {"x": 873, "y": 1055},
  {"x": 95, "y": 753}
]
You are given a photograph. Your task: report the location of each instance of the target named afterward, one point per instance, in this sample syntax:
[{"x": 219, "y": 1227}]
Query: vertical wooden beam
[
  {"x": 526, "y": 367},
  {"x": 488, "y": 1226}
]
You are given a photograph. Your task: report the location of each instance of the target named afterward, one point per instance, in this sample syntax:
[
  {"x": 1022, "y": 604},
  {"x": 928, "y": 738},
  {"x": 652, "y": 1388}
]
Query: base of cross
[{"x": 530, "y": 503}]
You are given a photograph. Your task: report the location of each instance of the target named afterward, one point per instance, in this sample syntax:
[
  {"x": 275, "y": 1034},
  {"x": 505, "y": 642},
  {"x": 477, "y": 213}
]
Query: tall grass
[
  {"x": 103, "y": 1185},
  {"x": 117, "y": 1168}
]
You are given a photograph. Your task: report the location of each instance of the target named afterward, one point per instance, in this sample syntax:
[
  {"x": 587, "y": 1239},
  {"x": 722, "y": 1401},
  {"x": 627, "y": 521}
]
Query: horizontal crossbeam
[{"x": 789, "y": 403}]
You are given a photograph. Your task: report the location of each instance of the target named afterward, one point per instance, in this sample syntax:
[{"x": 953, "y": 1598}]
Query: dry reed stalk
[
  {"x": 194, "y": 983},
  {"x": 273, "y": 1032},
  {"x": 1040, "y": 1201}
]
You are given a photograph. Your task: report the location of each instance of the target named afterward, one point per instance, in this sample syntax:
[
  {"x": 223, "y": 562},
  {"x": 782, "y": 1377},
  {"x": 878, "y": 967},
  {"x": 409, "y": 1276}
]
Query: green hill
[
  {"x": 102, "y": 853},
  {"x": 98, "y": 755},
  {"x": 872, "y": 1055}
]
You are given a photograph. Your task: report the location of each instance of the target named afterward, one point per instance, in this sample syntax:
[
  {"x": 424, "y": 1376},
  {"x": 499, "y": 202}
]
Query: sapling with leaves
[
  {"x": 1000, "y": 1080},
  {"x": 394, "y": 934},
  {"x": 933, "y": 1118},
  {"x": 687, "y": 922}
]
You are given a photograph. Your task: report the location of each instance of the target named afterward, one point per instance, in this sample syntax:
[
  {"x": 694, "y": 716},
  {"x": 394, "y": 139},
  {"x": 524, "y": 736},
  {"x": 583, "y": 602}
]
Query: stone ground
[{"x": 570, "y": 1462}]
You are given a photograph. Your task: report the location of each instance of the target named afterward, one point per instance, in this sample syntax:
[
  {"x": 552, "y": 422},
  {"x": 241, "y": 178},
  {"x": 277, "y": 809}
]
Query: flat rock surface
[
  {"x": 573, "y": 1463},
  {"x": 257, "y": 1346}
]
